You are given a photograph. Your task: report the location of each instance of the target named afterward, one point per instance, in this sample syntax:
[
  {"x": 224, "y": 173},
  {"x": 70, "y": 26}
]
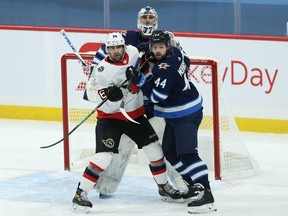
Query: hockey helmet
[
  {"x": 160, "y": 36},
  {"x": 147, "y": 28},
  {"x": 114, "y": 39}
]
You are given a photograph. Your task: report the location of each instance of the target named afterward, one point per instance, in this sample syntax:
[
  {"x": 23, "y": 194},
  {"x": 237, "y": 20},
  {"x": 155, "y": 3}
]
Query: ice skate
[
  {"x": 169, "y": 194},
  {"x": 193, "y": 191},
  {"x": 81, "y": 202},
  {"x": 204, "y": 203}
]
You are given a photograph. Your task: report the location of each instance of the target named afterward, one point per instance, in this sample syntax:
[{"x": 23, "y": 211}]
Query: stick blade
[
  {"x": 122, "y": 110},
  {"x": 48, "y": 146}
]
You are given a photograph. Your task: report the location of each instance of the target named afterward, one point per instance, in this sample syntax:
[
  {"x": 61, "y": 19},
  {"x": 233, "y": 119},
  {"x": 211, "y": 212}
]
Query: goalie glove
[{"x": 114, "y": 93}]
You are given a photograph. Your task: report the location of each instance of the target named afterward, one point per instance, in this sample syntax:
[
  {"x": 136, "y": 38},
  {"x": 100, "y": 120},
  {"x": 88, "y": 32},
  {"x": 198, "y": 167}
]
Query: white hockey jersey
[{"x": 109, "y": 74}]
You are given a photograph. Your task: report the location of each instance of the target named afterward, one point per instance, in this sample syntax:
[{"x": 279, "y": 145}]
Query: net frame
[{"x": 220, "y": 161}]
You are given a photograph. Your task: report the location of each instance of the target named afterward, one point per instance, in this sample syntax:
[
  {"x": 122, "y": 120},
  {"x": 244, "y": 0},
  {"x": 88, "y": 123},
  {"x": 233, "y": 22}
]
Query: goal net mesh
[{"x": 235, "y": 160}]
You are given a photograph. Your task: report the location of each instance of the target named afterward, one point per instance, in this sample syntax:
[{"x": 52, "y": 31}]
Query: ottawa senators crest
[
  {"x": 100, "y": 69},
  {"x": 109, "y": 142}
]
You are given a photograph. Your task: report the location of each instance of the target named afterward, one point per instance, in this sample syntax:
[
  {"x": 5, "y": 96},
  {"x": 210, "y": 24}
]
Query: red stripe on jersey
[
  {"x": 118, "y": 115},
  {"x": 157, "y": 161},
  {"x": 85, "y": 175},
  {"x": 134, "y": 88},
  {"x": 96, "y": 167},
  {"x": 159, "y": 172}
]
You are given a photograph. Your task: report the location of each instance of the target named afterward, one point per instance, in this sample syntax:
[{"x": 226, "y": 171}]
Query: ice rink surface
[{"x": 32, "y": 180}]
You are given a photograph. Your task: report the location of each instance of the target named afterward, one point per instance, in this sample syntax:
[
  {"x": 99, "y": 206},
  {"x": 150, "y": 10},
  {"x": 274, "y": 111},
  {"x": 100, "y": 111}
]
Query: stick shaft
[{"x": 63, "y": 33}]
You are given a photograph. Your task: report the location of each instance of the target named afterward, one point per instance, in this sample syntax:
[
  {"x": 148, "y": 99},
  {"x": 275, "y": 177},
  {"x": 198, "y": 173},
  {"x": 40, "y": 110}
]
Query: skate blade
[
  {"x": 170, "y": 200},
  {"x": 80, "y": 209},
  {"x": 190, "y": 199},
  {"x": 202, "y": 209}
]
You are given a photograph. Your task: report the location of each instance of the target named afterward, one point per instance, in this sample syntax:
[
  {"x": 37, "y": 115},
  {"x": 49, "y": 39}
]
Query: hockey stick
[
  {"x": 94, "y": 110},
  {"x": 87, "y": 117},
  {"x": 63, "y": 33},
  {"x": 122, "y": 110}
]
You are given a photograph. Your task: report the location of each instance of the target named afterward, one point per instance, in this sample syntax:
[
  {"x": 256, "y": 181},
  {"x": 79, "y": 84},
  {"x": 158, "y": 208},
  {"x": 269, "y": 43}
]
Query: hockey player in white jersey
[
  {"x": 111, "y": 123},
  {"x": 147, "y": 22}
]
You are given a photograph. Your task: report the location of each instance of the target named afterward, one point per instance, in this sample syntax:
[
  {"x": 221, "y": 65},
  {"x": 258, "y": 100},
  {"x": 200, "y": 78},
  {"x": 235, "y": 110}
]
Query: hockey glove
[
  {"x": 113, "y": 93},
  {"x": 143, "y": 47},
  {"x": 135, "y": 76}
]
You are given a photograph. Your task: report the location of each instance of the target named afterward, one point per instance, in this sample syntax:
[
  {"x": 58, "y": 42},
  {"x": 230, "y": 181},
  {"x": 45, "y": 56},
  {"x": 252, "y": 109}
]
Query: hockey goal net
[{"x": 220, "y": 143}]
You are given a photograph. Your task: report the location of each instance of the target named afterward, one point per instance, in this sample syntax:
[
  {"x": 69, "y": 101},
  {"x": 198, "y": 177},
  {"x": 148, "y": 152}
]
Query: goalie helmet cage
[{"x": 217, "y": 130}]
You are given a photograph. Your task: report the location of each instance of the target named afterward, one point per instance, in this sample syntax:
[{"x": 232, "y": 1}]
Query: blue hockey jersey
[{"x": 170, "y": 90}]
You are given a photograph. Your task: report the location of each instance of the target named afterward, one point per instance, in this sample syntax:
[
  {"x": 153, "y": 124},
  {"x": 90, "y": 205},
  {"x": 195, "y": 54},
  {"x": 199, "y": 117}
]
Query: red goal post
[
  {"x": 214, "y": 68},
  {"x": 208, "y": 68},
  {"x": 65, "y": 107}
]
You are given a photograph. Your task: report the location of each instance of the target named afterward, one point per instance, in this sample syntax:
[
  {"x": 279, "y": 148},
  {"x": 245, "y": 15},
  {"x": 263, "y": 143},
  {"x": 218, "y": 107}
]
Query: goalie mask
[
  {"x": 147, "y": 20},
  {"x": 114, "y": 39}
]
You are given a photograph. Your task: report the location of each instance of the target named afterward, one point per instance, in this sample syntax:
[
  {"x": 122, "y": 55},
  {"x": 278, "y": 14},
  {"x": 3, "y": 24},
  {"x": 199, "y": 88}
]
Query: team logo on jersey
[
  {"x": 163, "y": 66},
  {"x": 100, "y": 69},
  {"x": 109, "y": 143}
]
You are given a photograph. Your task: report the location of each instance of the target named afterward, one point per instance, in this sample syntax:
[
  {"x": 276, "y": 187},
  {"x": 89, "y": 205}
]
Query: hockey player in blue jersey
[
  {"x": 147, "y": 22},
  {"x": 178, "y": 101}
]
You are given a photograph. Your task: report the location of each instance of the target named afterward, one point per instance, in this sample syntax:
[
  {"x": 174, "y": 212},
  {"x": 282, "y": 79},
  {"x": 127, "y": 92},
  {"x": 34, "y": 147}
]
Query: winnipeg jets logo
[{"x": 163, "y": 66}]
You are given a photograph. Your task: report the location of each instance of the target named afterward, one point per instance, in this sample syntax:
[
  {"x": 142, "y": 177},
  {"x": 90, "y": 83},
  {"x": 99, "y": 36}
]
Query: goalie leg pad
[
  {"x": 153, "y": 151},
  {"x": 158, "y": 125},
  {"x": 176, "y": 179},
  {"x": 110, "y": 179}
]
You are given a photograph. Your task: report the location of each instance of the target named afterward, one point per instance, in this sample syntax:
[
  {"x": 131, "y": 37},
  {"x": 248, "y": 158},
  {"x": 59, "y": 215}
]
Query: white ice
[{"x": 32, "y": 180}]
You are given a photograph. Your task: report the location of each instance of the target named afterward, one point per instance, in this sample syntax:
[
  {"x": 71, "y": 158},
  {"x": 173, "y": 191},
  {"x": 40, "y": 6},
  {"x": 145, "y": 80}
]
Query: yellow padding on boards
[
  {"x": 55, "y": 114},
  {"x": 262, "y": 125},
  {"x": 31, "y": 113}
]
